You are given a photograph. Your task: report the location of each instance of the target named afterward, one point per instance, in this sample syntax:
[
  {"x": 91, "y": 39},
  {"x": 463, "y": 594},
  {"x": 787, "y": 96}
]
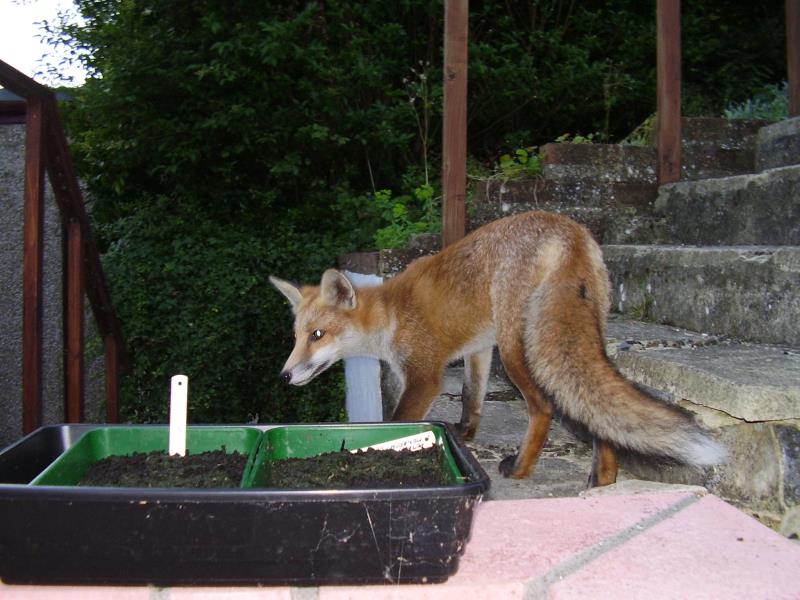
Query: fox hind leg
[
  {"x": 604, "y": 464},
  {"x": 476, "y": 378},
  {"x": 540, "y": 413}
]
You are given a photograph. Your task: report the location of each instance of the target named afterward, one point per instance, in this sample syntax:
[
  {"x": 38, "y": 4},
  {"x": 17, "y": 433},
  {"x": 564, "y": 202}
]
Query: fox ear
[
  {"x": 291, "y": 291},
  {"x": 337, "y": 291}
]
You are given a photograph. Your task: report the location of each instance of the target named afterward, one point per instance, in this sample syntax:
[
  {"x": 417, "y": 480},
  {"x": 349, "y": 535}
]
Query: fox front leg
[
  {"x": 419, "y": 392},
  {"x": 473, "y": 391}
]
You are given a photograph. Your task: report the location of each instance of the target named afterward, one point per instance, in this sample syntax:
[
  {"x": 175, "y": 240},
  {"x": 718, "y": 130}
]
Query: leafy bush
[
  {"x": 194, "y": 298},
  {"x": 407, "y": 215},
  {"x": 770, "y": 103}
]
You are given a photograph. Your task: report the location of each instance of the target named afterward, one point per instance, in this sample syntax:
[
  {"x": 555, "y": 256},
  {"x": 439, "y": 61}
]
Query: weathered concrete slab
[
  {"x": 748, "y": 395},
  {"x": 747, "y": 382},
  {"x": 761, "y": 208},
  {"x": 778, "y": 145},
  {"x": 609, "y": 163},
  {"x": 612, "y": 211},
  {"x": 748, "y": 292}
]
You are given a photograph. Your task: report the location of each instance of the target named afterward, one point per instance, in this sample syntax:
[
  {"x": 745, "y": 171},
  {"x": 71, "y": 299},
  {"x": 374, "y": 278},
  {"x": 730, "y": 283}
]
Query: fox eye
[{"x": 316, "y": 334}]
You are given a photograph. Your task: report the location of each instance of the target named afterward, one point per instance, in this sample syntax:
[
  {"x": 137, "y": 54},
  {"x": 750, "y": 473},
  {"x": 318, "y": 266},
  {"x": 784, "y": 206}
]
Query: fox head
[{"x": 322, "y": 326}]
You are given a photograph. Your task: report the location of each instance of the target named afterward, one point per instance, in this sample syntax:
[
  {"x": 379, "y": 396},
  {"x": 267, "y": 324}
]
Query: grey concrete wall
[{"x": 12, "y": 162}]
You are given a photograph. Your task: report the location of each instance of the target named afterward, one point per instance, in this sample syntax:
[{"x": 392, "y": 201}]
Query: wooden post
[
  {"x": 668, "y": 134},
  {"x": 73, "y": 327},
  {"x": 454, "y": 142},
  {"x": 793, "y": 55},
  {"x": 32, "y": 267},
  {"x": 112, "y": 379}
]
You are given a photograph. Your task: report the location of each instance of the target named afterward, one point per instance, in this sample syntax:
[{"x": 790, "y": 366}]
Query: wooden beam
[
  {"x": 21, "y": 84},
  {"x": 70, "y": 200},
  {"x": 793, "y": 55},
  {"x": 668, "y": 133},
  {"x": 32, "y": 267},
  {"x": 73, "y": 326},
  {"x": 454, "y": 142},
  {"x": 112, "y": 379}
]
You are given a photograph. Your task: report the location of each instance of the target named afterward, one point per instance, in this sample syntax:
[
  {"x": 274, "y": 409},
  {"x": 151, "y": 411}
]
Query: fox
[{"x": 535, "y": 286}]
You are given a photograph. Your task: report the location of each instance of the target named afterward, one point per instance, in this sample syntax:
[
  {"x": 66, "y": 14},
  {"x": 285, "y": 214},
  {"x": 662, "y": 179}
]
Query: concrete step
[
  {"x": 748, "y": 395},
  {"x": 778, "y": 145},
  {"x": 718, "y": 147},
  {"x": 615, "y": 212},
  {"x": 608, "y": 163},
  {"x": 711, "y": 148},
  {"x": 746, "y": 292},
  {"x": 761, "y": 208}
]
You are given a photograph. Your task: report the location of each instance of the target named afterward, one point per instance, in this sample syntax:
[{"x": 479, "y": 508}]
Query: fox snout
[{"x": 300, "y": 372}]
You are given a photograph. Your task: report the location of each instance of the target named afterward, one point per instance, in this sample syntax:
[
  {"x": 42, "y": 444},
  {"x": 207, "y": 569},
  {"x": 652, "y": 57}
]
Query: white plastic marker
[
  {"x": 179, "y": 394},
  {"x": 415, "y": 442}
]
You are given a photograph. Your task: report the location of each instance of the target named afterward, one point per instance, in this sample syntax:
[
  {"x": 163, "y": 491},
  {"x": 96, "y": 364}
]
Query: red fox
[{"x": 534, "y": 285}]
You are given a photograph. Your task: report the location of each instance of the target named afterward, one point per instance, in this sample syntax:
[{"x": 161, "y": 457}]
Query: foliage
[
  {"x": 407, "y": 215},
  {"x": 576, "y": 138},
  {"x": 644, "y": 134},
  {"x": 770, "y": 103},
  {"x": 204, "y": 307},
  {"x": 523, "y": 163}
]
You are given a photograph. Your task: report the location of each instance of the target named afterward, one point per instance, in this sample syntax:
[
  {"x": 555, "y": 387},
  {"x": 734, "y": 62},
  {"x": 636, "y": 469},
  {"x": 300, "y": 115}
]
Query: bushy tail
[{"x": 565, "y": 351}]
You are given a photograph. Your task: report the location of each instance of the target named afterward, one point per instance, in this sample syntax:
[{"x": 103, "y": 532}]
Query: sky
[{"x": 20, "y": 45}]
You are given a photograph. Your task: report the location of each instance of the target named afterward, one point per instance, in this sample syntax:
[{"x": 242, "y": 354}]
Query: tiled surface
[{"x": 660, "y": 545}]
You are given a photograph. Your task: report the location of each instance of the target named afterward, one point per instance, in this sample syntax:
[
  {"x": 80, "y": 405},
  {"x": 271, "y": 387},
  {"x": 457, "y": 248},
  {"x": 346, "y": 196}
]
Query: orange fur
[{"x": 536, "y": 286}]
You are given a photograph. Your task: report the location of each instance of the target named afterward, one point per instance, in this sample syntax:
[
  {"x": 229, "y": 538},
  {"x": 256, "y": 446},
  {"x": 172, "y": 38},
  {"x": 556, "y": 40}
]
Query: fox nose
[{"x": 286, "y": 376}]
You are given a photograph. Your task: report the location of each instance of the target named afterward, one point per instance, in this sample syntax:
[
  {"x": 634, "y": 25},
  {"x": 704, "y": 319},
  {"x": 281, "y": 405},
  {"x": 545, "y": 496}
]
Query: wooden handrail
[
  {"x": 793, "y": 55},
  {"x": 668, "y": 90},
  {"x": 46, "y": 146},
  {"x": 454, "y": 126}
]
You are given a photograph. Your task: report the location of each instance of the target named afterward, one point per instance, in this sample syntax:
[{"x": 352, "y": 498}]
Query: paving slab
[{"x": 706, "y": 550}]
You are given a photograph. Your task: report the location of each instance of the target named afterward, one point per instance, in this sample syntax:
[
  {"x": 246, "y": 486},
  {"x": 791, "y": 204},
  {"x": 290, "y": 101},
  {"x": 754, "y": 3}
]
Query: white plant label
[
  {"x": 178, "y": 398},
  {"x": 418, "y": 441}
]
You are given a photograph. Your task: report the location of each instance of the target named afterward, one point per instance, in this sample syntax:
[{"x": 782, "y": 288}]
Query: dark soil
[
  {"x": 363, "y": 469},
  {"x": 212, "y": 469}
]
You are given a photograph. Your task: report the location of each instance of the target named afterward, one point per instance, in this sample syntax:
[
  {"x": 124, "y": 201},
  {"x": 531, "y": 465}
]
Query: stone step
[
  {"x": 747, "y": 395},
  {"x": 778, "y": 145},
  {"x": 750, "y": 293},
  {"x": 608, "y": 163},
  {"x": 711, "y": 148},
  {"x": 761, "y": 208},
  {"x": 737, "y": 380},
  {"x": 615, "y": 212}
]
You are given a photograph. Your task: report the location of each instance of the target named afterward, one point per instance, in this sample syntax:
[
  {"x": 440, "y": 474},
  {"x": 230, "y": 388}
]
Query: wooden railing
[{"x": 46, "y": 148}]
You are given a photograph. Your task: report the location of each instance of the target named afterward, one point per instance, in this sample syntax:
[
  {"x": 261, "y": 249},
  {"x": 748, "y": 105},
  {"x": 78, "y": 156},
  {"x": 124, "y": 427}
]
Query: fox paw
[
  {"x": 465, "y": 432},
  {"x": 506, "y": 466}
]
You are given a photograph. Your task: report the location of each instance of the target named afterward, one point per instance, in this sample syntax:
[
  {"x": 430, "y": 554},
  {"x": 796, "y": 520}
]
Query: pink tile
[
  {"x": 47, "y": 592},
  {"x": 518, "y": 540},
  {"x": 443, "y": 591},
  {"x": 229, "y": 593},
  {"x": 707, "y": 550}
]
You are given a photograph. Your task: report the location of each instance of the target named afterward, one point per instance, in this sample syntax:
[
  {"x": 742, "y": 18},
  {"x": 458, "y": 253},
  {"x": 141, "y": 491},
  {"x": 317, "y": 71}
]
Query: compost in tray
[
  {"x": 362, "y": 469},
  {"x": 211, "y": 469}
]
